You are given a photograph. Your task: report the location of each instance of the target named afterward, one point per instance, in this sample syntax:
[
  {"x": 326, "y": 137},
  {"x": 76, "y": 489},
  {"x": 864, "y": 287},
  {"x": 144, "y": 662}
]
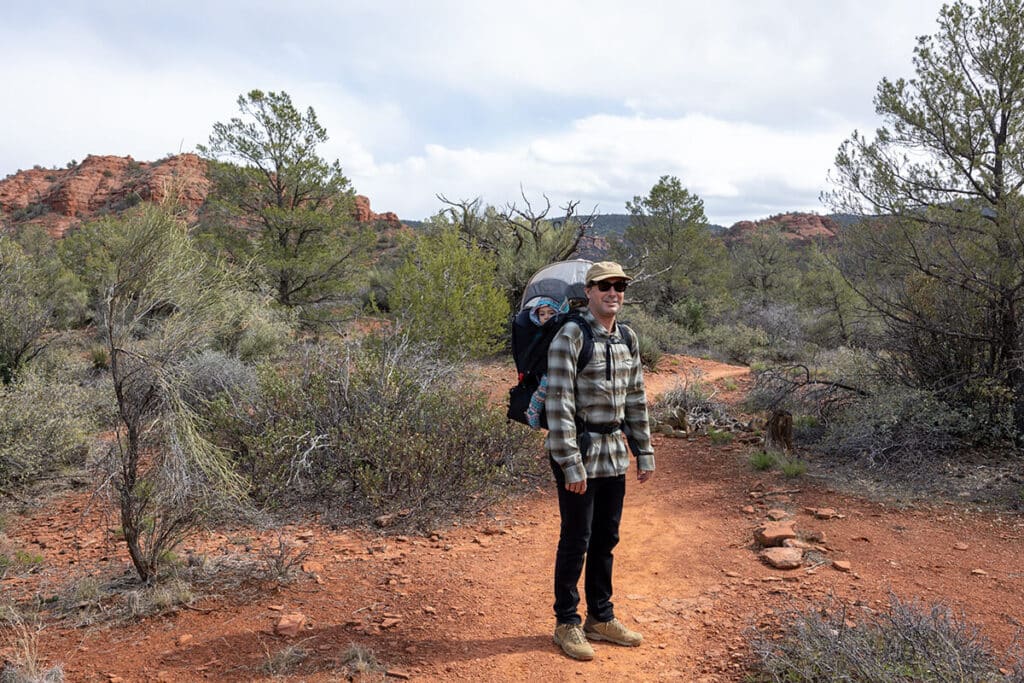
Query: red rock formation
[
  {"x": 364, "y": 214},
  {"x": 58, "y": 199},
  {"x": 794, "y": 226}
]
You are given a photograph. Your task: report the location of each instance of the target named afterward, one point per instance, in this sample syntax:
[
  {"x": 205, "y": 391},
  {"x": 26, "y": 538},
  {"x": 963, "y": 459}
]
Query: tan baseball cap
[{"x": 606, "y": 270}]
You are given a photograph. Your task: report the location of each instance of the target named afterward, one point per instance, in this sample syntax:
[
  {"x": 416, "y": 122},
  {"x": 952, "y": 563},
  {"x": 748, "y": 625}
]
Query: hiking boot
[
  {"x": 613, "y": 631},
  {"x": 570, "y": 638}
]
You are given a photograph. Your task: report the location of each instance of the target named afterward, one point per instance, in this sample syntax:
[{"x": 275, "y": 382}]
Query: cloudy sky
[{"x": 746, "y": 101}]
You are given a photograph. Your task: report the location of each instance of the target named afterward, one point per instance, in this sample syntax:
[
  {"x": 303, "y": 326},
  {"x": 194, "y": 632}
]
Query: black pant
[{"x": 590, "y": 529}]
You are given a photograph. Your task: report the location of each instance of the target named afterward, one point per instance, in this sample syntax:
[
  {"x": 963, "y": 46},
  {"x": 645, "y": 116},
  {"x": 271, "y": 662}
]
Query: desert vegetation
[{"x": 276, "y": 359}]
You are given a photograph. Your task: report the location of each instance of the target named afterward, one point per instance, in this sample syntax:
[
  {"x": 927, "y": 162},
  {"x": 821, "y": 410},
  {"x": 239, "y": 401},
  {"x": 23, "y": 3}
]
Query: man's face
[{"x": 606, "y": 303}]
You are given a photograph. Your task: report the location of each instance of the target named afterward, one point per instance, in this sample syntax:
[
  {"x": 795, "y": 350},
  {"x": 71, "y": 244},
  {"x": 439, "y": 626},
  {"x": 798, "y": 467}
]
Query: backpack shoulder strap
[
  {"x": 627, "y": 333},
  {"x": 587, "y": 351}
]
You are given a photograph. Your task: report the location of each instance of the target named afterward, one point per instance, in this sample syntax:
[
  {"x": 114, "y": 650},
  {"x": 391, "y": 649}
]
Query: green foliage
[
  {"x": 763, "y": 460},
  {"x": 44, "y": 426},
  {"x": 908, "y": 643},
  {"x": 669, "y": 240},
  {"x": 520, "y": 239},
  {"x": 445, "y": 294},
  {"x": 88, "y": 252},
  {"x": 657, "y": 334},
  {"x": 830, "y": 305},
  {"x": 942, "y": 269},
  {"x": 277, "y": 203},
  {"x": 764, "y": 266},
  {"x": 737, "y": 342},
  {"x": 719, "y": 437},
  {"x": 164, "y": 303},
  {"x": 36, "y": 295},
  {"x": 793, "y": 467}
]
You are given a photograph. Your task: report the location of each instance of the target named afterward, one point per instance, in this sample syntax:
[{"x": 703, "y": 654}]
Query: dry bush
[
  {"x": 362, "y": 661},
  {"x": 20, "y": 636},
  {"x": 43, "y": 427},
  {"x": 284, "y": 661},
  {"x": 897, "y": 429},
  {"x": 385, "y": 426},
  {"x": 280, "y": 561},
  {"x": 908, "y": 643}
]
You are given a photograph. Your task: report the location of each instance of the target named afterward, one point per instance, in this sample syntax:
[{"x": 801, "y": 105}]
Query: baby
[{"x": 543, "y": 310}]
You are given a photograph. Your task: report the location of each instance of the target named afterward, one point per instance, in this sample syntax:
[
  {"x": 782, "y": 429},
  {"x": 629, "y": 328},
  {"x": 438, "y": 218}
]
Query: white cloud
[
  {"x": 608, "y": 159},
  {"x": 746, "y": 102}
]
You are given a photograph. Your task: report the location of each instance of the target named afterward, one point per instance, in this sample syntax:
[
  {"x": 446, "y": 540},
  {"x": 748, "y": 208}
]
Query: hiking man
[{"x": 589, "y": 414}]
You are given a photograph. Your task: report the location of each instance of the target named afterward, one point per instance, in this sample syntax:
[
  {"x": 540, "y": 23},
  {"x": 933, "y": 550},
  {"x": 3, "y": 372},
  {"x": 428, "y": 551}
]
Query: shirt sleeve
[
  {"x": 636, "y": 411},
  {"x": 561, "y": 402}
]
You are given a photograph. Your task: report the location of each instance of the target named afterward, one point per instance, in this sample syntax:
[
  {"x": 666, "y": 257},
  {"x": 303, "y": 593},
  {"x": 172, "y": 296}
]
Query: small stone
[
  {"x": 395, "y": 673},
  {"x": 842, "y": 565},
  {"x": 960, "y": 546},
  {"x": 815, "y": 536},
  {"x": 312, "y": 567},
  {"x": 825, "y": 513},
  {"x": 979, "y": 572},
  {"x": 777, "y": 515},
  {"x": 276, "y": 608},
  {"x": 183, "y": 639},
  {"x": 748, "y": 509},
  {"x": 384, "y": 520},
  {"x": 732, "y": 575},
  {"x": 289, "y": 625},
  {"x": 390, "y": 622},
  {"x": 783, "y": 558},
  {"x": 427, "y": 609},
  {"x": 774, "y": 533}
]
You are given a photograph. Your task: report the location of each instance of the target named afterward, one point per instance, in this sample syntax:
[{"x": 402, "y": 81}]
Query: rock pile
[{"x": 783, "y": 547}]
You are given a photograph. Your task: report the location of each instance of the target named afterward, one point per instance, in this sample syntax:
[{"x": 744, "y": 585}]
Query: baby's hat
[{"x": 537, "y": 302}]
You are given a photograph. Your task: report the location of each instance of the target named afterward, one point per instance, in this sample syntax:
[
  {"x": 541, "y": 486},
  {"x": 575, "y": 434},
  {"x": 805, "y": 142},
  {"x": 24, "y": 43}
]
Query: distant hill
[{"x": 59, "y": 199}]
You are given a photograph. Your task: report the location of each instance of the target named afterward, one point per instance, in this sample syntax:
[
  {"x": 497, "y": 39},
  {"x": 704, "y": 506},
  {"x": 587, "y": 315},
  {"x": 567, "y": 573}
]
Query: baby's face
[{"x": 544, "y": 313}]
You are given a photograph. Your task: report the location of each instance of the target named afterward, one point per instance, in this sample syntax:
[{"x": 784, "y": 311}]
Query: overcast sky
[{"x": 746, "y": 101}]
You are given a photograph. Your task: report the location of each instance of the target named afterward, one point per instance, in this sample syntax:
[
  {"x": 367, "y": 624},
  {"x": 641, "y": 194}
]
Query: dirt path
[{"x": 473, "y": 602}]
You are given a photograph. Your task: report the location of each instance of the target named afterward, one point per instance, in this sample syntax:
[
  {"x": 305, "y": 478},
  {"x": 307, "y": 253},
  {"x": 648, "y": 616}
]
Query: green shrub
[
  {"x": 445, "y": 293},
  {"x": 719, "y": 437},
  {"x": 737, "y": 342},
  {"x": 99, "y": 357},
  {"x": 793, "y": 467},
  {"x": 43, "y": 427},
  {"x": 658, "y": 333},
  {"x": 909, "y": 643},
  {"x": 763, "y": 460}
]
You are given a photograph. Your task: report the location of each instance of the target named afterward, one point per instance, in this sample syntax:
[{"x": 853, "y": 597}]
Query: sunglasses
[{"x": 604, "y": 285}]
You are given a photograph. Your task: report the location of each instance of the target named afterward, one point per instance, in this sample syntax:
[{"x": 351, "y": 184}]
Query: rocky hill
[
  {"x": 799, "y": 227},
  {"x": 59, "y": 199}
]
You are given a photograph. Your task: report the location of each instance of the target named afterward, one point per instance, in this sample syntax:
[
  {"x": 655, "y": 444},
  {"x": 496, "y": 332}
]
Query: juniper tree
[
  {"x": 943, "y": 264},
  {"x": 282, "y": 206}
]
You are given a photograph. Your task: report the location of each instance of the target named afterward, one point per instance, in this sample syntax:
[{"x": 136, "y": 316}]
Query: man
[{"x": 606, "y": 400}]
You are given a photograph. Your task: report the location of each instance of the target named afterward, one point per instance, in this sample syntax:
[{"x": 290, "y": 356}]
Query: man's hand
[
  {"x": 576, "y": 486},
  {"x": 644, "y": 475}
]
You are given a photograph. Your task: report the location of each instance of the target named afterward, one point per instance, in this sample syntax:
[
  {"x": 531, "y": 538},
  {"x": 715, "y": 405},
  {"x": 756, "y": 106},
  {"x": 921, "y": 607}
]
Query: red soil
[{"x": 473, "y": 602}]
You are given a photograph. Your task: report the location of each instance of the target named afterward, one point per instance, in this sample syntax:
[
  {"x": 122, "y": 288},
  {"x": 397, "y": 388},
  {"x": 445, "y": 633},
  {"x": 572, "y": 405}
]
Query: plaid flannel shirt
[{"x": 608, "y": 390}]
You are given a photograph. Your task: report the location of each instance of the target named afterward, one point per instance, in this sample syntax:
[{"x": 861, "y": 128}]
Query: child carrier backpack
[{"x": 562, "y": 281}]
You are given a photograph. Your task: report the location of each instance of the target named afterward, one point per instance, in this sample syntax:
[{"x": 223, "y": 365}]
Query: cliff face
[
  {"x": 58, "y": 199},
  {"x": 799, "y": 227}
]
